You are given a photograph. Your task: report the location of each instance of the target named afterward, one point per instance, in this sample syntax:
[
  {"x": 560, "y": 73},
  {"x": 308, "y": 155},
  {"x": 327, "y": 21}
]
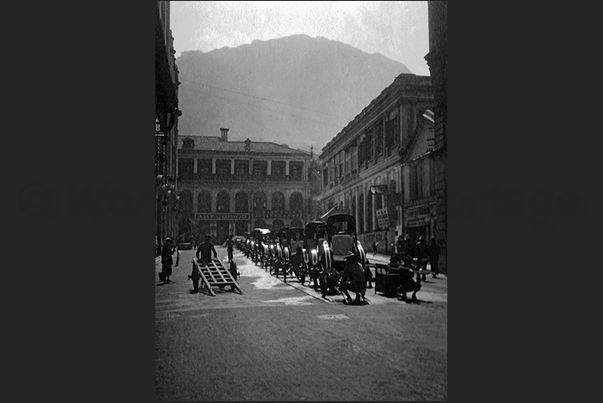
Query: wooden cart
[{"x": 214, "y": 274}]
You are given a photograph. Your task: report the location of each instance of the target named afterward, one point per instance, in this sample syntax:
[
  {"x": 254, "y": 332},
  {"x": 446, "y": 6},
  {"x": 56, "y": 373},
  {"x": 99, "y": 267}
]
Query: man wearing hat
[
  {"x": 205, "y": 250},
  {"x": 400, "y": 245},
  {"x": 166, "y": 259},
  {"x": 352, "y": 279}
]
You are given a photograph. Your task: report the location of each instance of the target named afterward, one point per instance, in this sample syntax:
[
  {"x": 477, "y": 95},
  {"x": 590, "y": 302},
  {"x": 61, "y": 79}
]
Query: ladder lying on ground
[{"x": 214, "y": 274}]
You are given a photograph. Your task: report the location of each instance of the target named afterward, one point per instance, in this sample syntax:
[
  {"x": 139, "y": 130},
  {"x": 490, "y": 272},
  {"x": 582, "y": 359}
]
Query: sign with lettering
[
  {"x": 417, "y": 221},
  {"x": 277, "y": 214},
  {"x": 382, "y": 218},
  {"x": 423, "y": 210},
  {"x": 222, "y": 216}
]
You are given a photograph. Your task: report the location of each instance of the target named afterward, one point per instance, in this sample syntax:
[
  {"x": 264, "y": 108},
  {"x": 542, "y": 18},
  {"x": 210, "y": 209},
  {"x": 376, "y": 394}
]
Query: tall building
[
  {"x": 166, "y": 124},
  {"x": 230, "y": 187},
  {"x": 418, "y": 178},
  {"x": 361, "y": 164},
  {"x": 437, "y": 57}
]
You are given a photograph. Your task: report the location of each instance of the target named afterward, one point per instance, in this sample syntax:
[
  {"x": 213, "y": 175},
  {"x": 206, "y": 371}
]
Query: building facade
[
  {"x": 361, "y": 164},
  {"x": 437, "y": 14},
  {"x": 166, "y": 125},
  {"x": 418, "y": 178},
  {"x": 230, "y": 187}
]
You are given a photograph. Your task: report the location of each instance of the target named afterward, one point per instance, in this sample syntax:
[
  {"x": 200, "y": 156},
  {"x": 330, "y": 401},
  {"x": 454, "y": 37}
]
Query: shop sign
[
  {"x": 418, "y": 211},
  {"x": 418, "y": 221}
]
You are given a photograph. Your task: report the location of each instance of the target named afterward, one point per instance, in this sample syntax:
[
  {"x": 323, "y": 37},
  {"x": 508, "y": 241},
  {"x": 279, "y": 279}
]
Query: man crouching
[
  {"x": 352, "y": 279},
  {"x": 407, "y": 284}
]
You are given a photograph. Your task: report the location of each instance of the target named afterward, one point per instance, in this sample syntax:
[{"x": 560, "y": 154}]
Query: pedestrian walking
[
  {"x": 167, "y": 260},
  {"x": 434, "y": 256},
  {"x": 229, "y": 247},
  {"x": 408, "y": 246},
  {"x": 205, "y": 250}
]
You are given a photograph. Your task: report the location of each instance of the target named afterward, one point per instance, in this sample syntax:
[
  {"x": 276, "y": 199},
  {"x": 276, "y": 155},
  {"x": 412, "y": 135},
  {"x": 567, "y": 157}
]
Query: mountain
[{"x": 296, "y": 90}]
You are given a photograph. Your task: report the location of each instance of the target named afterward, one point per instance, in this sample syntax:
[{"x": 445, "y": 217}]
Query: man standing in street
[
  {"x": 205, "y": 250},
  {"x": 421, "y": 255},
  {"x": 434, "y": 256},
  {"x": 229, "y": 247},
  {"x": 400, "y": 245},
  {"x": 166, "y": 259}
]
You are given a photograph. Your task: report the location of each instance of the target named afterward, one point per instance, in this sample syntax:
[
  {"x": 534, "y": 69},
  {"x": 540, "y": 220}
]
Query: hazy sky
[{"x": 396, "y": 29}]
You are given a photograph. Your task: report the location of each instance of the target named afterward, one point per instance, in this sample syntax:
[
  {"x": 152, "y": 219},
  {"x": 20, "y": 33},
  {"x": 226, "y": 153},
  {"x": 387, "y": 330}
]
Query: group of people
[
  {"x": 421, "y": 251},
  {"x": 410, "y": 255},
  {"x": 168, "y": 250}
]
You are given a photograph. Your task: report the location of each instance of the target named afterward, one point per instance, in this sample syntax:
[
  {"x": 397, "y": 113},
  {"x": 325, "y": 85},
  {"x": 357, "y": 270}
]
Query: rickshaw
[
  {"x": 258, "y": 236},
  {"x": 341, "y": 239},
  {"x": 313, "y": 251}
]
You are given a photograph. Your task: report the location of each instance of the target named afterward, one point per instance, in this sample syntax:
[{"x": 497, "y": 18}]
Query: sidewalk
[{"x": 433, "y": 290}]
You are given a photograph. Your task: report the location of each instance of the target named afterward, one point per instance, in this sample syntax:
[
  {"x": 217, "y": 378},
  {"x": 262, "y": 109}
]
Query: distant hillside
[{"x": 296, "y": 90}]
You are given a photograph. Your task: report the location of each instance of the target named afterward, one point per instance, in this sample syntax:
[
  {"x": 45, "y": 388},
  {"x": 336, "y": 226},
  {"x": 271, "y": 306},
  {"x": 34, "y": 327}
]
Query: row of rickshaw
[{"x": 313, "y": 254}]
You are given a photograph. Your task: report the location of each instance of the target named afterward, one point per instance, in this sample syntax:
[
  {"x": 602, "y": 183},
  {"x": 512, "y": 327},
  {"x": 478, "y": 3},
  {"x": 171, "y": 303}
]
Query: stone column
[
  {"x": 232, "y": 166},
  {"x": 195, "y": 168},
  {"x": 269, "y": 167},
  {"x": 213, "y": 165},
  {"x": 287, "y": 167}
]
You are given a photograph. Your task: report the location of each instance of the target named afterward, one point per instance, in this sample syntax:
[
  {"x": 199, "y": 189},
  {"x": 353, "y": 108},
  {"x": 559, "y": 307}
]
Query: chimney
[
  {"x": 224, "y": 136},
  {"x": 248, "y": 145}
]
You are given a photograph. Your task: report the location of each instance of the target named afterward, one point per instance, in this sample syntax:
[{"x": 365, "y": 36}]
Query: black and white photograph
[{"x": 301, "y": 201}]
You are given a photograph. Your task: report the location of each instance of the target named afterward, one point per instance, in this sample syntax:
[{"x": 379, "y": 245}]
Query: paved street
[{"x": 282, "y": 341}]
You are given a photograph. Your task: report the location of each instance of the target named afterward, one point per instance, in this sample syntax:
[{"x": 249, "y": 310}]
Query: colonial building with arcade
[{"x": 230, "y": 187}]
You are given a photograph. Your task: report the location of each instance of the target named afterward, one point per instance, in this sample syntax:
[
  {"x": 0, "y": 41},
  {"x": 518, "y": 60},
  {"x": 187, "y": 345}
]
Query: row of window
[
  {"x": 378, "y": 140},
  {"x": 421, "y": 185},
  {"x": 370, "y": 210},
  {"x": 417, "y": 178},
  {"x": 241, "y": 167},
  {"x": 241, "y": 202}
]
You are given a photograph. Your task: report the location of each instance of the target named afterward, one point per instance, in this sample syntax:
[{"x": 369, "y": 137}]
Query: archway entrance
[{"x": 277, "y": 224}]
